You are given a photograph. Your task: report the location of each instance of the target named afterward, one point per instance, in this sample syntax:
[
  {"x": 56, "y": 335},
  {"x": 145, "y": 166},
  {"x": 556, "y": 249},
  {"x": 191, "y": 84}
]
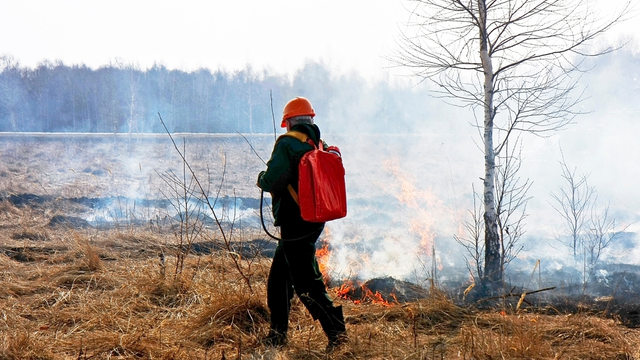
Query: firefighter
[{"x": 295, "y": 267}]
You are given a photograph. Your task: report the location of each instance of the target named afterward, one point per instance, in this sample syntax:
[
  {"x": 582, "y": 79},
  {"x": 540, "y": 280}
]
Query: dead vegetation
[
  {"x": 88, "y": 294},
  {"x": 78, "y": 292}
]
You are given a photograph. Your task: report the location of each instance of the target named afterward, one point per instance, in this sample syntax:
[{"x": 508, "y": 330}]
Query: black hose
[
  {"x": 262, "y": 217},
  {"x": 267, "y": 231}
]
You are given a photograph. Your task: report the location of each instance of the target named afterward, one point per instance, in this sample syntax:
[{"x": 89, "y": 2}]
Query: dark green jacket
[{"x": 282, "y": 170}]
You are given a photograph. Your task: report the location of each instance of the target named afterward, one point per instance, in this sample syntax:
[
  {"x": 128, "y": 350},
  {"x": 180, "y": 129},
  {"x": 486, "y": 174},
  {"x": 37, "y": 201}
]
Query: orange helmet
[{"x": 297, "y": 107}]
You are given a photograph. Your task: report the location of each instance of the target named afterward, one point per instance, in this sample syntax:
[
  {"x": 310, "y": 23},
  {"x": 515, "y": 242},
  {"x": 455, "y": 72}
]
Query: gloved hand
[
  {"x": 259, "y": 176},
  {"x": 335, "y": 150}
]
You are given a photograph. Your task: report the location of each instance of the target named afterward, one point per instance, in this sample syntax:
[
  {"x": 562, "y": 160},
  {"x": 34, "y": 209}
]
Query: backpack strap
[
  {"x": 293, "y": 193},
  {"x": 300, "y": 136}
]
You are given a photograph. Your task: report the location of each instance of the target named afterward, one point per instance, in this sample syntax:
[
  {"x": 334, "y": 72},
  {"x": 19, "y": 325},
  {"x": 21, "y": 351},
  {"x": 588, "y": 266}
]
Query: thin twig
[
  {"x": 511, "y": 294},
  {"x": 273, "y": 117},
  {"x": 224, "y": 173},
  {"x": 252, "y": 149}
]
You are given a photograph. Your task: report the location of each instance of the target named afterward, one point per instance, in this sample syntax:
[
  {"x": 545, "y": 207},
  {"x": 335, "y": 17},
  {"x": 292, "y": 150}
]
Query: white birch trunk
[{"x": 492, "y": 260}]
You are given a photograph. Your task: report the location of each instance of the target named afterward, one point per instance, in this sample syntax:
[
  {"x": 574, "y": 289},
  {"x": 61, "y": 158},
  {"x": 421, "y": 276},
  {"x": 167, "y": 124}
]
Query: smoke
[
  {"x": 404, "y": 198},
  {"x": 410, "y": 187}
]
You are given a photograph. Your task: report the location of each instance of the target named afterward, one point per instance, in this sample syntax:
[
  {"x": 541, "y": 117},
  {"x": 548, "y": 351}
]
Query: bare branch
[{"x": 204, "y": 198}]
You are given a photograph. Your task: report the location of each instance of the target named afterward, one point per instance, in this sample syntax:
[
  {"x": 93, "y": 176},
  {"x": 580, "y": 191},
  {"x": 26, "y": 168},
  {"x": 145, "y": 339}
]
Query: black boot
[
  {"x": 275, "y": 338},
  {"x": 332, "y": 322}
]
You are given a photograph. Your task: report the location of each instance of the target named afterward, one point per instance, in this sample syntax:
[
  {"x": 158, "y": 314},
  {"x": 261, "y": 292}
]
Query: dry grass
[
  {"x": 105, "y": 294},
  {"x": 91, "y": 300}
]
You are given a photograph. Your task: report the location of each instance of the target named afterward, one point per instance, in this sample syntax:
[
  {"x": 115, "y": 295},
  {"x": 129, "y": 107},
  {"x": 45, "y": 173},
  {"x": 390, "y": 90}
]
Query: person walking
[{"x": 295, "y": 267}]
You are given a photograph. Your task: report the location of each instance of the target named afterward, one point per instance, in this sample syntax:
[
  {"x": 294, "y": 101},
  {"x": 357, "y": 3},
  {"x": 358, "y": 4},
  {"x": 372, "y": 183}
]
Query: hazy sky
[
  {"x": 278, "y": 34},
  {"x": 189, "y": 34}
]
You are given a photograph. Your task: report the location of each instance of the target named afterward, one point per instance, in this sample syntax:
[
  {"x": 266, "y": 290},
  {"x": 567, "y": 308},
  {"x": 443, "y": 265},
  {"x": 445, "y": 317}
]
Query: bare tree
[
  {"x": 589, "y": 229},
  {"x": 11, "y": 93},
  {"x": 512, "y": 61},
  {"x": 190, "y": 187},
  {"x": 603, "y": 229},
  {"x": 573, "y": 204},
  {"x": 133, "y": 101}
]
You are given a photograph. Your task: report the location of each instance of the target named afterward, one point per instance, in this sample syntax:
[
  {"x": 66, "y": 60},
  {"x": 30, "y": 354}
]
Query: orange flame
[
  {"x": 422, "y": 204},
  {"x": 345, "y": 288},
  {"x": 322, "y": 256},
  {"x": 348, "y": 289}
]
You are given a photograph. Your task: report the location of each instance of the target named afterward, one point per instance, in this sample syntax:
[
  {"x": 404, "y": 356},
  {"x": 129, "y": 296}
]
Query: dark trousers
[{"x": 295, "y": 268}]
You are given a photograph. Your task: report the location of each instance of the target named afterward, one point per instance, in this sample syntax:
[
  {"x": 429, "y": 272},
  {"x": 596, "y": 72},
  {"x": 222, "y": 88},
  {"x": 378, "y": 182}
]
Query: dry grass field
[{"x": 72, "y": 290}]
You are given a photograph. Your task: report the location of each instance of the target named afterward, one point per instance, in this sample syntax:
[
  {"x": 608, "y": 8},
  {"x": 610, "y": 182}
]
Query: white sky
[{"x": 278, "y": 34}]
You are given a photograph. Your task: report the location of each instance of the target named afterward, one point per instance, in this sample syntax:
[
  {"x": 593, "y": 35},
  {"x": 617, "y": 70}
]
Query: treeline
[{"x": 122, "y": 98}]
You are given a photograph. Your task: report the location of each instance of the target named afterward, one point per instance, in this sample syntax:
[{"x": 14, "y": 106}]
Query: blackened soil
[
  {"x": 30, "y": 253},
  {"x": 629, "y": 313},
  {"x": 624, "y": 308},
  {"x": 33, "y": 200},
  {"x": 248, "y": 249},
  {"x": 68, "y": 221}
]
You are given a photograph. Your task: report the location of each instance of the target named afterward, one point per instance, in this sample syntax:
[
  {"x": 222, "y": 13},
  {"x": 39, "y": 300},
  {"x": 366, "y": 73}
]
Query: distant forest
[{"x": 122, "y": 98}]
